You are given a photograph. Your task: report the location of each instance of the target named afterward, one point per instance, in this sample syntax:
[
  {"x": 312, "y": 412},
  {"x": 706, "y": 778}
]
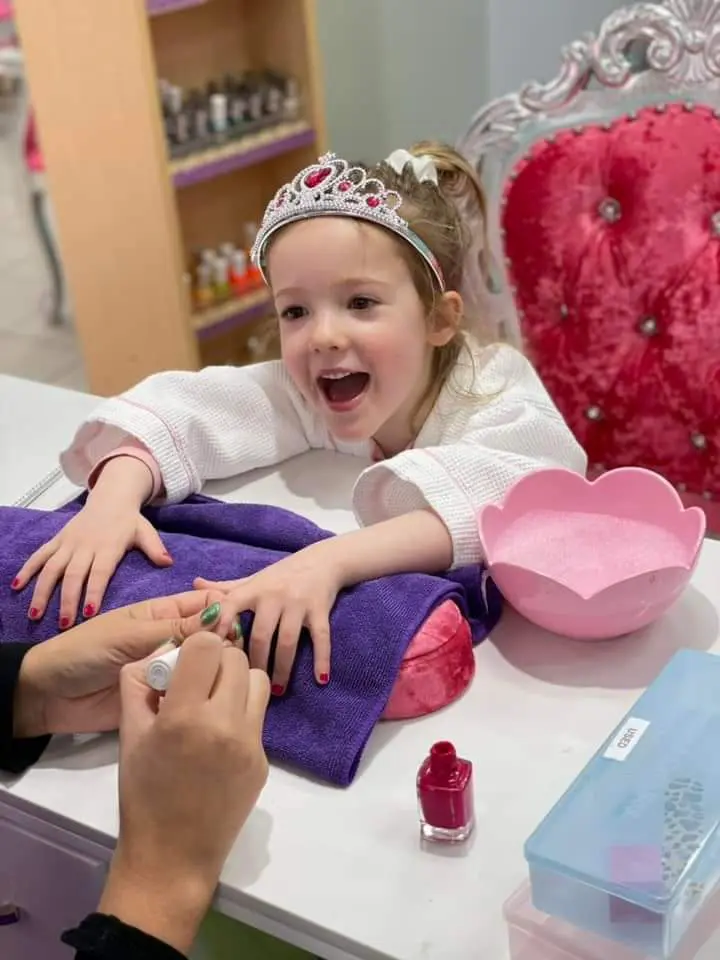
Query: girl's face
[{"x": 354, "y": 333}]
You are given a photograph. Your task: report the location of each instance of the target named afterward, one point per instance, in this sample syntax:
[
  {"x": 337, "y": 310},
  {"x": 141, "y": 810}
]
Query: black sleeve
[
  {"x": 101, "y": 937},
  {"x": 15, "y": 755}
]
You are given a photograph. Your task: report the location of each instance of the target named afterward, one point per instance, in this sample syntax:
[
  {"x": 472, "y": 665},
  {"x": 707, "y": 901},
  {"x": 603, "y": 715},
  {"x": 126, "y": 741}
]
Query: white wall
[
  {"x": 403, "y": 70},
  {"x": 400, "y": 70},
  {"x": 526, "y": 36}
]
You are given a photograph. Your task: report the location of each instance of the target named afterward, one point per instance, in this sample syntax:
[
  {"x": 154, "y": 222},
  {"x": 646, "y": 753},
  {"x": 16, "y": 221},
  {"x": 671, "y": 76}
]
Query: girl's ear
[{"x": 446, "y": 319}]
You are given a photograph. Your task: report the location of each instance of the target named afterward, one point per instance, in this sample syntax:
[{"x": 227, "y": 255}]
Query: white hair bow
[{"x": 423, "y": 167}]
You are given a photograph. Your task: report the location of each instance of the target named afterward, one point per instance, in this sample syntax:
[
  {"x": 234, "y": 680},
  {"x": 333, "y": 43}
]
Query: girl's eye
[
  {"x": 362, "y": 303},
  {"x": 293, "y": 313}
]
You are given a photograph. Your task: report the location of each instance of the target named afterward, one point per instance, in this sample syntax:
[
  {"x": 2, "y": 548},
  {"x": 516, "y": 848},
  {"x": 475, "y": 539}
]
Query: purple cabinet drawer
[{"x": 49, "y": 881}]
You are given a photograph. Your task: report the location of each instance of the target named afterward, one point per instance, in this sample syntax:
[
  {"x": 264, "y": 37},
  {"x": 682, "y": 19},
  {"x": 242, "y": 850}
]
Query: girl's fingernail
[
  {"x": 16, "y": 583},
  {"x": 64, "y": 623},
  {"x": 210, "y": 615},
  {"x": 89, "y": 610},
  {"x": 324, "y": 678},
  {"x": 238, "y": 632},
  {"x": 277, "y": 690},
  {"x": 34, "y": 613}
]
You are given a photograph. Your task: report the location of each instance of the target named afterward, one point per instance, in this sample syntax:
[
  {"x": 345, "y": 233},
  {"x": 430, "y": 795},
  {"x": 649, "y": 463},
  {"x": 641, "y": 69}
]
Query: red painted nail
[
  {"x": 324, "y": 678},
  {"x": 34, "y": 613},
  {"x": 89, "y": 610},
  {"x": 277, "y": 690},
  {"x": 16, "y": 583},
  {"x": 64, "y": 623}
]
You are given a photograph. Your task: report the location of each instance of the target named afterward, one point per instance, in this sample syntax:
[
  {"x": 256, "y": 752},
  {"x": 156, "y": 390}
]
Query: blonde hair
[{"x": 443, "y": 217}]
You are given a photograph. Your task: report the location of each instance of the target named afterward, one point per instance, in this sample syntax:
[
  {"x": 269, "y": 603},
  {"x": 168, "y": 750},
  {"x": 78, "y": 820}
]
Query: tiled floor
[{"x": 29, "y": 346}]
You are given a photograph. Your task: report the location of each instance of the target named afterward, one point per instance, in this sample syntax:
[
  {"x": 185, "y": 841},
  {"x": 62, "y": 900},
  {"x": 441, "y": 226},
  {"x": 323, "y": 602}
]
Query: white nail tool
[{"x": 160, "y": 669}]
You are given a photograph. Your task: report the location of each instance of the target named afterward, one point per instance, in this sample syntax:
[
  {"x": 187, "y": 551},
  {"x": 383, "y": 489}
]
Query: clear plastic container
[
  {"x": 631, "y": 851},
  {"x": 536, "y": 936}
]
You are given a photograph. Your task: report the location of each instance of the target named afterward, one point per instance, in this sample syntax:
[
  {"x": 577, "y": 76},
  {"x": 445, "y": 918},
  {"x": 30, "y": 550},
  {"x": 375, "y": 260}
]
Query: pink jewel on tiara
[
  {"x": 316, "y": 177},
  {"x": 331, "y": 187}
]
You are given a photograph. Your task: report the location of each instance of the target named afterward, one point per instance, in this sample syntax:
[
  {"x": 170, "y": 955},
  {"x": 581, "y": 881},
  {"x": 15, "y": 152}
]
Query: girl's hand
[
  {"x": 88, "y": 550},
  {"x": 298, "y": 591}
]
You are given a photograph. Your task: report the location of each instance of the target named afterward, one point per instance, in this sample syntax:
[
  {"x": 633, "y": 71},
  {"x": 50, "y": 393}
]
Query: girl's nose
[{"x": 328, "y": 333}]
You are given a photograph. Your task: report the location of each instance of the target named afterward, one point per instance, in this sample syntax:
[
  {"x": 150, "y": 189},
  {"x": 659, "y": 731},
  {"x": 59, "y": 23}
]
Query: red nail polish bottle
[{"x": 445, "y": 795}]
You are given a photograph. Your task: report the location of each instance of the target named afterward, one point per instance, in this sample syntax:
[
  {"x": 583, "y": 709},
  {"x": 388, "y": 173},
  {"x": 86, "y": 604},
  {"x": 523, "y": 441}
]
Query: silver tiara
[{"x": 332, "y": 188}]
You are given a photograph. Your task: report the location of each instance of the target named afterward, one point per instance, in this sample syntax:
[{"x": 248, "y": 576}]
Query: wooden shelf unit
[{"x": 129, "y": 217}]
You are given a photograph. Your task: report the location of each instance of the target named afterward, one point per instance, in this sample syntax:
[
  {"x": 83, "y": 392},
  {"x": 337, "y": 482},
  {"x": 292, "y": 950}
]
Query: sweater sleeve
[
  {"x": 482, "y": 443},
  {"x": 15, "y": 755},
  {"x": 201, "y": 426},
  {"x": 103, "y": 937}
]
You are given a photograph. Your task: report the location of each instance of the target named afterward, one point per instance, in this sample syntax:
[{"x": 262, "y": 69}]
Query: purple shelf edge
[
  {"x": 235, "y": 320},
  {"x": 237, "y": 161},
  {"x": 167, "y": 6}
]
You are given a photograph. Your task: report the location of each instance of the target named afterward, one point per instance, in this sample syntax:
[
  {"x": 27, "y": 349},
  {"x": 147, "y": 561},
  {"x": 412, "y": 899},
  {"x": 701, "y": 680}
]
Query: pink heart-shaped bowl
[{"x": 592, "y": 559}]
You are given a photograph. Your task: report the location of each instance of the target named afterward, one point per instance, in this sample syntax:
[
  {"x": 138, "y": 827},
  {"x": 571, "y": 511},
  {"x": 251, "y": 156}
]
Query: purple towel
[{"x": 322, "y": 730}]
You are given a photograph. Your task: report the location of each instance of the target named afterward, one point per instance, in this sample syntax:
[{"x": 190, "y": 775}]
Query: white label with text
[{"x": 626, "y": 739}]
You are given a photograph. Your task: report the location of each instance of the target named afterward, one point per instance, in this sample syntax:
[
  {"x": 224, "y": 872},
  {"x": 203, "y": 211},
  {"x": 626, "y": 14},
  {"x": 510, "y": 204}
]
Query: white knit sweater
[{"x": 492, "y": 424}]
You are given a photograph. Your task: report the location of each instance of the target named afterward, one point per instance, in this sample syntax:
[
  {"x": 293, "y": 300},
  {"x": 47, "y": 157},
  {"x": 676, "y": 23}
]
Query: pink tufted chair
[{"x": 604, "y": 225}]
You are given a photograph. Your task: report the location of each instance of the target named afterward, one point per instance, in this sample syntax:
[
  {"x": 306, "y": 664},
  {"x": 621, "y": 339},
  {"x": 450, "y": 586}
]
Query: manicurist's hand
[
  {"x": 192, "y": 766},
  {"x": 70, "y": 684}
]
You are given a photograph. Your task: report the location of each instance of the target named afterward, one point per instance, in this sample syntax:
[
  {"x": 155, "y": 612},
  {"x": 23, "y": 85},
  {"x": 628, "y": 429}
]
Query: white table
[{"x": 341, "y": 873}]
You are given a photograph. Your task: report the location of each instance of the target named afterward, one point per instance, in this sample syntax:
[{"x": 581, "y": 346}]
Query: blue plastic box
[{"x": 632, "y": 850}]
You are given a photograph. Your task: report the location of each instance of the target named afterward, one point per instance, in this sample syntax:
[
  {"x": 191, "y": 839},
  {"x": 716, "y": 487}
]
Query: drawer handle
[{"x": 9, "y": 913}]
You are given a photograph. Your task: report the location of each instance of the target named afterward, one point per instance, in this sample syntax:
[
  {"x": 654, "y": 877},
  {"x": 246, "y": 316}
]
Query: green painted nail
[
  {"x": 210, "y": 615},
  {"x": 238, "y": 631}
]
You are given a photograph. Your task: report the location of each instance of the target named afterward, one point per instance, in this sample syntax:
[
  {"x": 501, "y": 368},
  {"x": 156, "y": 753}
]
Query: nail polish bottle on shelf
[
  {"x": 445, "y": 795},
  {"x": 291, "y": 108},
  {"x": 238, "y": 112},
  {"x": 203, "y": 292},
  {"x": 200, "y": 119},
  {"x": 239, "y": 273},
  {"x": 254, "y": 277},
  {"x": 221, "y": 278},
  {"x": 219, "y": 116}
]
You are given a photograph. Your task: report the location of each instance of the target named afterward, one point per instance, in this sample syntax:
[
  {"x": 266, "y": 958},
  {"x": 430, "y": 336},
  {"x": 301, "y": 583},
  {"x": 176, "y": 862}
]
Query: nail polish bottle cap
[{"x": 443, "y": 759}]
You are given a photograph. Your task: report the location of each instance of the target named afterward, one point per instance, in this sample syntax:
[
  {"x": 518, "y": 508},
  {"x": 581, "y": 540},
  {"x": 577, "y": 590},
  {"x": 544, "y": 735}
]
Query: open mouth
[{"x": 342, "y": 389}]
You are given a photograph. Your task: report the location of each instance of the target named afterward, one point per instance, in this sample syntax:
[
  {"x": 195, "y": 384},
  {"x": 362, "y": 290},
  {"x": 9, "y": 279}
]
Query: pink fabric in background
[
  {"x": 607, "y": 229},
  {"x": 6, "y": 10},
  {"x": 33, "y": 158}
]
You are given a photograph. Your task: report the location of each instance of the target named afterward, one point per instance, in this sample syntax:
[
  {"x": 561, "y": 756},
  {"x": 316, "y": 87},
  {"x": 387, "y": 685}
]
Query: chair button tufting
[
  {"x": 707, "y": 495},
  {"x": 594, "y": 413},
  {"x": 648, "y": 327},
  {"x": 610, "y": 210},
  {"x": 681, "y": 488},
  {"x": 564, "y": 311},
  {"x": 715, "y": 223},
  {"x": 699, "y": 441}
]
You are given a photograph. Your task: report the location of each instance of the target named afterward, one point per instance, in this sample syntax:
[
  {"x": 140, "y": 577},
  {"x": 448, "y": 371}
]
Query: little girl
[{"x": 366, "y": 268}]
